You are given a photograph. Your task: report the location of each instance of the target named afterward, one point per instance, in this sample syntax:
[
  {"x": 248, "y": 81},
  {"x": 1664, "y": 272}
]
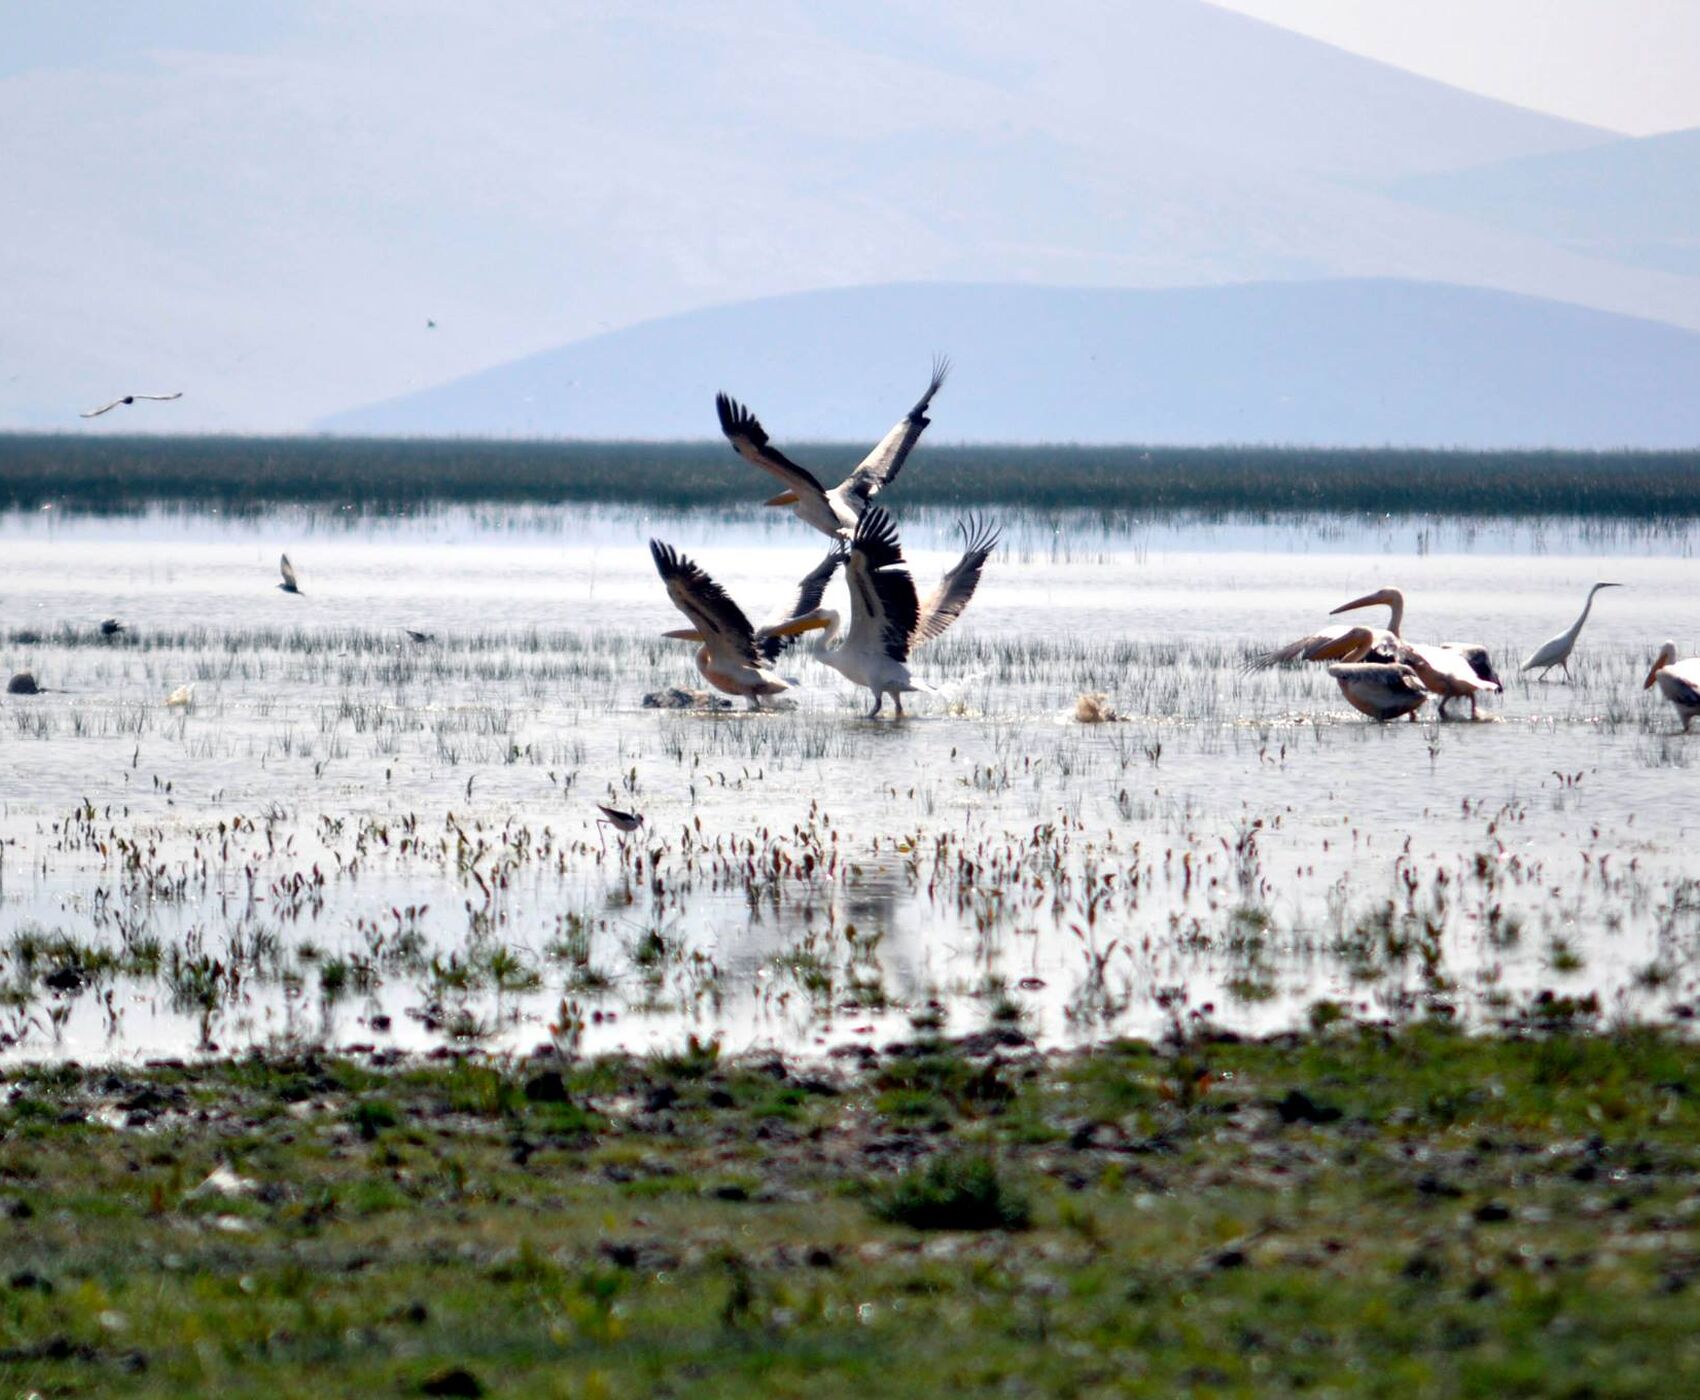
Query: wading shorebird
[
  {"x": 289, "y": 584},
  {"x": 733, "y": 655},
  {"x": 887, "y": 618},
  {"x": 833, "y": 512},
  {"x": 129, "y": 399},
  {"x": 1556, "y": 651},
  {"x": 1678, "y": 682},
  {"x": 622, "y": 822}
]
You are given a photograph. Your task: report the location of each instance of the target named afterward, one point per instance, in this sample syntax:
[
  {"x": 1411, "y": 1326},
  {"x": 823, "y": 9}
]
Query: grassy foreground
[{"x": 1357, "y": 1212}]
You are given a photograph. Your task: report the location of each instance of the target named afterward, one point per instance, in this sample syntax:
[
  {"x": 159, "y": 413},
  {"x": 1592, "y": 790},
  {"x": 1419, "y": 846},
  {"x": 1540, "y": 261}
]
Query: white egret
[{"x": 1556, "y": 651}]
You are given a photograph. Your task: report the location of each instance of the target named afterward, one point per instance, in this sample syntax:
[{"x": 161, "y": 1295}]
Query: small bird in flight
[
  {"x": 415, "y": 635},
  {"x": 289, "y": 585},
  {"x": 129, "y": 399}
]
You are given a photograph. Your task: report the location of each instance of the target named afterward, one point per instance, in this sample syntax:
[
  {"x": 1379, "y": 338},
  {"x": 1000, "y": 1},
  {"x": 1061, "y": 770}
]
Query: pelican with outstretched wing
[
  {"x": 1678, "y": 682},
  {"x": 1450, "y": 670},
  {"x": 734, "y": 655},
  {"x": 888, "y": 618},
  {"x": 129, "y": 399},
  {"x": 833, "y": 512}
]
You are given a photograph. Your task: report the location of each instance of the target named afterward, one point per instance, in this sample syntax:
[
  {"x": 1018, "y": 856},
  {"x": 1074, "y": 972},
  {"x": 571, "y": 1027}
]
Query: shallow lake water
[{"x": 352, "y": 837}]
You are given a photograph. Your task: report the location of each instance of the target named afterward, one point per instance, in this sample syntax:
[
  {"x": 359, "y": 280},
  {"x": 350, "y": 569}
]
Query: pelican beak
[
  {"x": 784, "y": 498},
  {"x": 1369, "y": 600},
  {"x": 808, "y": 622},
  {"x": 1653, "y": 675},
  {"x": 686, "y": 634}
]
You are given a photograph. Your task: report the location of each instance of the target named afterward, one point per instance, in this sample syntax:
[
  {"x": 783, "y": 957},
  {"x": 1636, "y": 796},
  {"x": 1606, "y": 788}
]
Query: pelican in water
[
  {"x": 1451, "y": 670},
  {"x": 833, "y": 512},
  {"x": 126, "y": 399},
  {"x": 1382, "y": 690},
  {"x": 289, "y": 584},
  {"x": 733, "y": 655},
  {"x": 887, "y": 617},
  {"x": 1678, "y": 681},
  {"x": 1556, "y": 651}
]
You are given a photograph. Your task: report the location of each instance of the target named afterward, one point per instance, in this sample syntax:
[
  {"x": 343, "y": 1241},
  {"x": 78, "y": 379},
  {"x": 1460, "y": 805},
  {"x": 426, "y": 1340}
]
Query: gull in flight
[
  {"x": 289, "y": 584},
  {"x": 887, "y": 617},
  {"x": 735, "y": 656},
  {"x": 833, "y": 512},
  {"x": 129, "y": 399}
]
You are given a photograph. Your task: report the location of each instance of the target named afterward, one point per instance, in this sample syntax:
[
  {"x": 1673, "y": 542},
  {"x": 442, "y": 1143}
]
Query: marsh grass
[{"x": 235, "y": 474}]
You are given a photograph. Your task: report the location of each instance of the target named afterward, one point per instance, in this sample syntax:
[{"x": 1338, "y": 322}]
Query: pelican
[
  {"x": 1452, "y": 670},
  {"x": 289, "y": 584},
  {"x": 833, "y": 512},
  {"x": 1556, "y": 651},
  {"x": 887, "y": 617},
  {"x": 1381, "y": 690},
  {"x": 129, "y": 399},
  {"x": 735, "y": 656},
  {"x": 1678, "y": 680}
]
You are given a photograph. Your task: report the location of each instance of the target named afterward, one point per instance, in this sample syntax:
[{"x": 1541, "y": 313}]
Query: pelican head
[
  {"x": 1382, "y": 597},
  {"x": 1666, "y": 657}
]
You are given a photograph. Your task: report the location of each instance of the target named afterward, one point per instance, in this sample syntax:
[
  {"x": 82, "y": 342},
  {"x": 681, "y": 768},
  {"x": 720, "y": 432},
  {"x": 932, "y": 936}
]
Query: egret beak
[
  {"x": 784, "y": 498},
  {"x": 686, "y": 634}
]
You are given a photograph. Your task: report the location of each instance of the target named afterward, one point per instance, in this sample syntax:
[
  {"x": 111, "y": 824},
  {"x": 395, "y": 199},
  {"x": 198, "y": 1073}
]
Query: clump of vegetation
[{"x": 954, "y": 1191}]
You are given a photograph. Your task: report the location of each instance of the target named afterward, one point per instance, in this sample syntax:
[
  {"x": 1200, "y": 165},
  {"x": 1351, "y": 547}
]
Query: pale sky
[{"x": 1629, "y": 65}]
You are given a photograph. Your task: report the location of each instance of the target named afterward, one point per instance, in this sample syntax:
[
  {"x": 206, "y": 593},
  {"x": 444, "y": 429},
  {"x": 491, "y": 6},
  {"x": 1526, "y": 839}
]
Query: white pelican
[
  {"x": 129, "y": 399},
  {"x": 1381, "y": 690},
  {"x": 1556, "y": 651},
  {"x": 887, "y": 617},
  {"x": 289, "y": 584},
  {"x": 735, "y": 656},
  {"x": 1452, "y": 670},
  {"x": 1679, "y": 681},
  {"x": 833, "y": 512}
]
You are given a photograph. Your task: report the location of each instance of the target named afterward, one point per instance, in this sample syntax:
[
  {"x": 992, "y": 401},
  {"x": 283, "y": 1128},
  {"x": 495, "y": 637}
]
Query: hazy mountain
[
  {"x": 1633, "y": 201},
  {"x": 264, "y": 205},
  {"x": 1370, "y": 361}
]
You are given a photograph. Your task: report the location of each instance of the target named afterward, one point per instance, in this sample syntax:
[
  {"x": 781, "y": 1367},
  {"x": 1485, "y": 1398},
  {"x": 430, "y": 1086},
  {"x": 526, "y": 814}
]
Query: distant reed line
[{"x": 235, "y": 474}]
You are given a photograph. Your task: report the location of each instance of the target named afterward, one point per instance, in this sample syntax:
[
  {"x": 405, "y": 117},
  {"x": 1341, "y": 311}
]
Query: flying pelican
[
  {"x": 1556, "y": 651},
  {"x": 833, "y": 512},
  {"x": 735, "y": 656},
  {"x": 1678, "y": 680},
  {"x": 887, "y": 618},
  {"x": 289, "y": 584},
  {"x": 129, "y": 399}
]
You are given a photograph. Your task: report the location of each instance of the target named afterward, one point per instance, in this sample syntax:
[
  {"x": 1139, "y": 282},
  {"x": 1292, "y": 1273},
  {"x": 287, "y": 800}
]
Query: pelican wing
[
  {"x": 947, "y": 601},
  {"x": 881, "y": 466},
  {"x": 883, "y": 606},
  {"x": 749, "y": 440},
  {"x": 810, "y": 589},
  {"x": 288, "y": 571},
  {"x": 1330, "y": 644},
  {"x": 709, "y": 607},
  {"x": 1477, "y": 655},
  {"x": 1680, "y": 683}
]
